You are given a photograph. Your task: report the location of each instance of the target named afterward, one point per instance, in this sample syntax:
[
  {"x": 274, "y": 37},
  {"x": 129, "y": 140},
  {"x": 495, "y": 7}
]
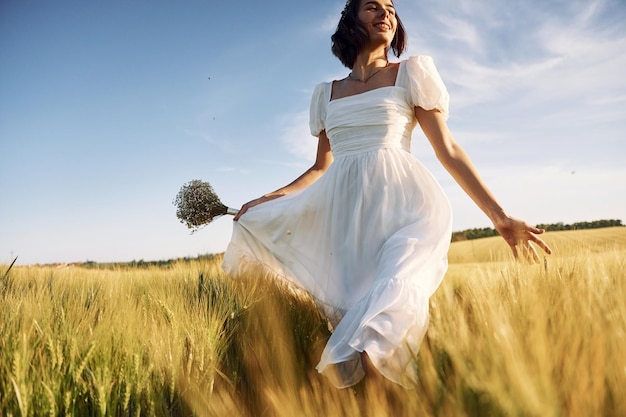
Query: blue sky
[{"x": 107, "y": 108}]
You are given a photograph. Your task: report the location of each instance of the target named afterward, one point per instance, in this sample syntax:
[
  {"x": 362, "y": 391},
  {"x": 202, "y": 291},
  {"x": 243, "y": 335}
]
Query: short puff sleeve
[
  {"x": 426, "y": 87},
  {"x": 317, "y": 110}
]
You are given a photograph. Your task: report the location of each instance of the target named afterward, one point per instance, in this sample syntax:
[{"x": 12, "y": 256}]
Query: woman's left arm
[{"x": 517, "y": 233}]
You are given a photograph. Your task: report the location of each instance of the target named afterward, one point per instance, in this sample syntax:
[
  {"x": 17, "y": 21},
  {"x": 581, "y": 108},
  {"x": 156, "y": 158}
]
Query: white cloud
[
  {"x": 462, "y": 31},
  {"x": 537, "y": 97},
  {"x": 542, "y": 57}
]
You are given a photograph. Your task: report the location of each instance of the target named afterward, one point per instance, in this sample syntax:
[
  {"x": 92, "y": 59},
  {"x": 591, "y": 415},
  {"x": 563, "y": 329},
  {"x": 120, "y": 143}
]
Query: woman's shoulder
[
  {"x": 418, "y": 61},
  {"x": 321, "y": 91},
  {"x": 419, "y": 58},
  {"x": 427, "y": 89},
  {"x": 321, "y": 86},
  {"x": 317, "y": 109},
  {"x": 417, "y": 67}
]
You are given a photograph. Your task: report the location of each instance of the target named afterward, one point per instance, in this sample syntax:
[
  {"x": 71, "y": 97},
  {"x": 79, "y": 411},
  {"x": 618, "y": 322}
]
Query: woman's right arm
[{"x": 322, "y": 161}]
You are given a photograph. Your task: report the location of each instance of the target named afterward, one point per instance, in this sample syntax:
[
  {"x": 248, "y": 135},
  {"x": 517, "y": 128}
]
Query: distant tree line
[
  {"x": 145, "y": 264},
  {"x": 597, "y": 224},
  {"x": 470, "y": 234}
]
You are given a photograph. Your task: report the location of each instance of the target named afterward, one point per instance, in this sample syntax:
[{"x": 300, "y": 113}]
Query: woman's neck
[{"x": 368, "y": 61}]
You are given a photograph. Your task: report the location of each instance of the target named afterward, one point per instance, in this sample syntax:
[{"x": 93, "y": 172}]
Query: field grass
[{"x": 505, "y": 339}]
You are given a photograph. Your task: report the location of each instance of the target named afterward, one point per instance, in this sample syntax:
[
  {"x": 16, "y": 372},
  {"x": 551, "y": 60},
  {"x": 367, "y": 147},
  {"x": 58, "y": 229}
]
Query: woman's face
[{"x": 379, "y": 18}]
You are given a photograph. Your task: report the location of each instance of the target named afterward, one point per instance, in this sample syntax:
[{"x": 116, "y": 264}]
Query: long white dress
[{"x": 369, "y": 239}]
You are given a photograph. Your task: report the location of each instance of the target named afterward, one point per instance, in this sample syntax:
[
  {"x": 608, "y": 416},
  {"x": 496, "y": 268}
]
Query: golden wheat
[{"x": 505, "y": 339}]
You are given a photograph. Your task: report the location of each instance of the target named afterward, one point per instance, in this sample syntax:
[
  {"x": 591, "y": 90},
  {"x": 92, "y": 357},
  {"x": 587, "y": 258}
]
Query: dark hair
[{"x": 351, "y": 35}]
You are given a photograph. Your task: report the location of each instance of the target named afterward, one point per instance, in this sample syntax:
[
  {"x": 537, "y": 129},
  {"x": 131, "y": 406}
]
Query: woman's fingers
[
  {"x": 543, "y": 245},
  {"x": 522, "y": 237},
  {"x": 242, "y": 210},
  {"x": 253, "y": 203},
  {"x": 249, "y": 205},
  {"x": 524, "y": 248}
]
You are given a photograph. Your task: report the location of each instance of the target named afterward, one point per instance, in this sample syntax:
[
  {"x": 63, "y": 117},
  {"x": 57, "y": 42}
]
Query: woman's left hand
[{"x": 519, "y": 235}]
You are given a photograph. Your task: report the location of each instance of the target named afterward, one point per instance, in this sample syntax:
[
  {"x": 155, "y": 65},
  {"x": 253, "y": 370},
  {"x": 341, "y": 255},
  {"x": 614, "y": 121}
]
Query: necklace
[{"x": 352, "y": 77}]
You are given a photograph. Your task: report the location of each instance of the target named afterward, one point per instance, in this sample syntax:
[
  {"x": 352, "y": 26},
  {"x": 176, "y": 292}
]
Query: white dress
[{"x": 369, "y": 239}]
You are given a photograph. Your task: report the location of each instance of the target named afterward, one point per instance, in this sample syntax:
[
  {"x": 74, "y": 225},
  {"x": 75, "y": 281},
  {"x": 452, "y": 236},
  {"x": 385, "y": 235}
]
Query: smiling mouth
[{"x": 382, "y": 26}]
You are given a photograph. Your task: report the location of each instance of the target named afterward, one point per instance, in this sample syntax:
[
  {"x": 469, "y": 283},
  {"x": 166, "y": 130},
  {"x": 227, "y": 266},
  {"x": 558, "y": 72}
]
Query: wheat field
[{"x": 505, "y": 339}]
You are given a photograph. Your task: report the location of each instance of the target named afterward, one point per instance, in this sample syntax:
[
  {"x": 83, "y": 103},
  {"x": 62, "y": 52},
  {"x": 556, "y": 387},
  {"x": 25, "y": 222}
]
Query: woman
[{"x": 366, "y": 229}]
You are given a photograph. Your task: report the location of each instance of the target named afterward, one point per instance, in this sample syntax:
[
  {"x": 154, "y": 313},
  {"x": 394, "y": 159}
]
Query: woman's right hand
[{"x": 253, "y": 203}]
